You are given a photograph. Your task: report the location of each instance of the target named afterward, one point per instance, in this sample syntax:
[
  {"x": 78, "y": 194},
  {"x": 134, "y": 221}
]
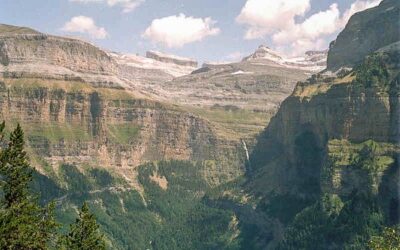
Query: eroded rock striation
[
  {"x": 162, "y": 57},
  {"x": 365, "y": 33}
]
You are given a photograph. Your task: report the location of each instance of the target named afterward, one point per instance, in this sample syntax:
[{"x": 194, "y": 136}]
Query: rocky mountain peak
[
  {"x": 168, "y": 58},
  {"x": 6, "y": 29},
  {"x": 264, "y": 52},
  {"x": 365, "y": 33},
  {"x": 312, "y": 61}
]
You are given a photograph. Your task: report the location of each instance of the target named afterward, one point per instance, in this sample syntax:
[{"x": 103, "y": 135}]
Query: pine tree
[
  {"x": 24, "y": 224},
  {"x": 84, "y": 233},
  {"x": 389, "y": 240}
]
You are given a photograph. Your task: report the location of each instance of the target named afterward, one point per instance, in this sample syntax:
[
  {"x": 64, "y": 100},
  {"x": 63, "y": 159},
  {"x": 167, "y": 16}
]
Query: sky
[{"x": 206, "y": 30}]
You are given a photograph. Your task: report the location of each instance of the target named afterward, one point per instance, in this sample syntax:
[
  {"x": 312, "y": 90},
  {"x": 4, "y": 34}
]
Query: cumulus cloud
[
  {"x": 127, "y": 5},
  {"x": 278, "y": 20},
  {"x": 85, "y": 25},
  {"x": 357, "y": 6},
  {"x": 265, "y": 17},
  {"x": 307, "y": 35},
  {"x": 176, "y": 31}
]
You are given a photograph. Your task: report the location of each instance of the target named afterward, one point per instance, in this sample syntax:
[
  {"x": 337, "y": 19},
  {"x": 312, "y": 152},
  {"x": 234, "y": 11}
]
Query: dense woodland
[{"x": 186, "y": 221}]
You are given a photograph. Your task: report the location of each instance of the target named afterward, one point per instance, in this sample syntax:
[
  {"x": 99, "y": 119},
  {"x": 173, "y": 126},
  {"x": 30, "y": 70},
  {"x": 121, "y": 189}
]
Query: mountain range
[{"x": 265, "y": 153}]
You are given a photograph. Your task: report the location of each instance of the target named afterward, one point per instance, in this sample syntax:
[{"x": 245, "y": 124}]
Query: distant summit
[
  {"x": 313, "y": 61},
  {"x": 168, "y": 58},
  {"x": 264, "y": 52},
  {"x": 6, "y": 29},
  {"x": 365, "y": 33}
]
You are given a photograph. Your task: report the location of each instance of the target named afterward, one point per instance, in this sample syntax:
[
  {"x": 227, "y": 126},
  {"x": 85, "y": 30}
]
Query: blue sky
[{"x": 222, "y": 30}]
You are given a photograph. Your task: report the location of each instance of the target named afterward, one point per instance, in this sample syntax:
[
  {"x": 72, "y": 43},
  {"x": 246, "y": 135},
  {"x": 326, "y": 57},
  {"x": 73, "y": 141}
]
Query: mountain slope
[
  {"x": 365, "y": 33},
  {"x": 93, "y": 134},
  {"x": 325, "y": 171}
]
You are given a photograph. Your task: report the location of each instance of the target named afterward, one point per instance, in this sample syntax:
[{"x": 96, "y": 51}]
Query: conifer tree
[
  {"x": 84, "y": 234},
  {"x": 389, "y": 240},
  {"x": 24, "y": 224}
]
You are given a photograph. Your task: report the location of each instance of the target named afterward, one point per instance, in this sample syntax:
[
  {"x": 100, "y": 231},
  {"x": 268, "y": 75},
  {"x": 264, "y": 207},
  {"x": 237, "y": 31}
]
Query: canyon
[{"x": 265, "y": 153}]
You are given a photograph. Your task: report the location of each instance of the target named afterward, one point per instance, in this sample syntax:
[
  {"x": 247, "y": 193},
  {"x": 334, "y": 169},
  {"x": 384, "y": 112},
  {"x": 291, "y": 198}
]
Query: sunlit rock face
[{"x": 365, "y": 33}]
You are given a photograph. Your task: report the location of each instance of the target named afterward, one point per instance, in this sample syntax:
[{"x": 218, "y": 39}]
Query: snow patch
[
  {"x": 240, "y": 72},
  {"x": 141, "y": 62}
]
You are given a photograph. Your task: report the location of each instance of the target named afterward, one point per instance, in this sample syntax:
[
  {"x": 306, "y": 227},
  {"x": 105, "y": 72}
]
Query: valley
[{"x": 267, "y": 152}]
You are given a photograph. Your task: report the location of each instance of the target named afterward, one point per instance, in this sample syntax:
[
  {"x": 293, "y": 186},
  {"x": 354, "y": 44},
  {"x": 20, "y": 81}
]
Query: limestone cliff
[
  {"x": 28, "y": 53},
  {"x": 332, "y": 136},
  {"x": 73, "y": 122},
  {"x": 365, "y": 33}
]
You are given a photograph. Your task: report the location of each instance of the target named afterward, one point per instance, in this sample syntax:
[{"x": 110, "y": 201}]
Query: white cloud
[
  {"x": 357, "y": 6},
  {"x": 85, "y": 25},
  {"x": 277, "y": 19},
  {"x": 176, "y": 31},
  {"x": 317, "y": 25},
  {"x": 127, "y": 5},
  {"x": 264, "y": 17}
]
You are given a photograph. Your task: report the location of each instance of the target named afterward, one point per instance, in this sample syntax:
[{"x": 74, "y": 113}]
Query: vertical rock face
[
  {"x": 328, "y": 109},
  {"x": 71, "y": 99},
  {"x": 26, "y": 53},
  {"x": 312, "y": 146},
  {"x": 68, "y": 122},
  {"x": 365, "y": 33}
]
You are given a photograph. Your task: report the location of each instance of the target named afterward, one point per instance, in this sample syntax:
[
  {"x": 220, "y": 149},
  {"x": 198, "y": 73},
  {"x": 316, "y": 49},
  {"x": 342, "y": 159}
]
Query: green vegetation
[
  {"x": 373, "y": 72},
  {"x": 24, "y": 224},
  {"x": 55, "y": 132},
  {"x": 348, "y": 220},
  {"x": 389, "y": 240},
  {"x": 84, "y": 234},
  {"x": 233, "y": 121},
  {"x": 171, "y": 215},
  {"x": 123, "y": 133},
  {"x": 186, "y": 222}
]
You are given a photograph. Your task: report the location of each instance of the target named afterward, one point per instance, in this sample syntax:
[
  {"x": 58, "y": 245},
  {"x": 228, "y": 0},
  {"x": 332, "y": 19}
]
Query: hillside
[
  {"x": 265, "y": 153},
  {"x": 365, "y": 33},
  {"x": 325, "y": 170},
  {"x": 92, "y": 129}
]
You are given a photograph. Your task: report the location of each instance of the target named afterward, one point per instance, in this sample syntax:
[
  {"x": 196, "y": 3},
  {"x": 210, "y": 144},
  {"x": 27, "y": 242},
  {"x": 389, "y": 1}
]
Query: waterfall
[{"x": 246, "y": 150}]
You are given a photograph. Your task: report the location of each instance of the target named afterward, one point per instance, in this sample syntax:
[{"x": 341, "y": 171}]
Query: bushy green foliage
[
  {"x": 373, "y": 72},
  {"x": 334, "y": 224},
  {"x": 388, "y": 240},
  {"x": 84, "y": 234},
  {"x": 24, "y": 224},
  {"x": 186, "y": 221},
  {"x": 368, "y": 158},
  {"x": 345, "y": 222},
  {"x": 284, "y": 206}
]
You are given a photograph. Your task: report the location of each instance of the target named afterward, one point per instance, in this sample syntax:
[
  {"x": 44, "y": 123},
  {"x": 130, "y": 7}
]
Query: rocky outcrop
[
  {"x": 162, "y": 57},
  {"x": 312, "y": 61},
  {"x": 139, "y": 70},
  {"x": 365, "y": 33},
  {"x": 322, "y": 110},
  {"x": 251, "y": 85},
  {"x": 313, "y": 145},
  {"x": 74, "y": 123},
  {"x": 264, "y": 52},
  {"x": 32, "y": 54}
]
